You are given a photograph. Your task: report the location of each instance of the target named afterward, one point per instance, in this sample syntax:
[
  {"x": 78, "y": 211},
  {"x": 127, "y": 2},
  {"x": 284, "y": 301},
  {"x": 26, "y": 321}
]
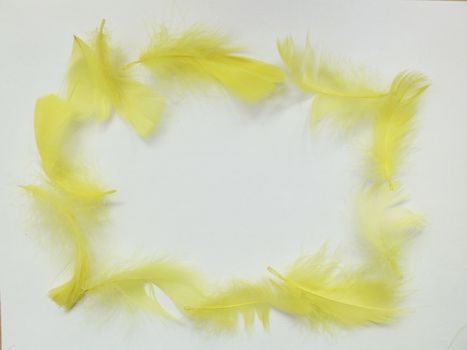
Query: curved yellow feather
[
  {"x": 132, "y": 286},
  {"x": 53, "y": 118},
  {"x": 56, "y": 206},
  {"x": 393, "y": 124},
  {"x": 341, "y": 91},
  {"x": 386, "y": 225},
  {"x": 323, "y": 293},
  {"x": 99, "y": 81},
  {"x": 54, "y": 124},
  {"x": 198, "y": 55}
]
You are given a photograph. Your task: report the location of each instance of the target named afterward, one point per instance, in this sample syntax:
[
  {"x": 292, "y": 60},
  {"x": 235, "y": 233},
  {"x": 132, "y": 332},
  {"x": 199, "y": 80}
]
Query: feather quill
[
  {"x": 393, "y": 125},
  {"x": 222, "y": 311},
  {"x": 99, "y": 81},
  {"x": 198, "y": 55},
  {"x": 342, "y": 92}
]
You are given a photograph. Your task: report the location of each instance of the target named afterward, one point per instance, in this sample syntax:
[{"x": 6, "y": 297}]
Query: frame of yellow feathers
[{"x": 316, "y": 289}]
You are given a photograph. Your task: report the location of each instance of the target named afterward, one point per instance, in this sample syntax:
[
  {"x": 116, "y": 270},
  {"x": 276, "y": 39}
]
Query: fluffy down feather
[
  {"x": 54, "y": 125},
  {"x": 340, "y": 91},
  {"x": 198, "y": 55},
  {"x": 132, "y": 286},
  {"x": 386, "y": 226},
  {"x": 393, "y": 125},
  {"x": 323, "y": 293},
  {"x": 63, "y": 221},
  {"x": 99, "y": 81}
]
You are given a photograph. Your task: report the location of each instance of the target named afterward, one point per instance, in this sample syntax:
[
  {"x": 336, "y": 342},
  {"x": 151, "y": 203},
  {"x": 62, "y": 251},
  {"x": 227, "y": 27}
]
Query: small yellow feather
[
  {"x": 131, "y": 286},
  {"x": 198, "y": 55},
  {"x": 386, "y": 225},
  {"x": 393, "y": 125},
  {"x": 323, "y": 293},
  {"x": 58, "y": 210},
  {"x": 54, "y": 125},
  {"x": 99, "y": 81},
  {"x": 340, "y": 91}
]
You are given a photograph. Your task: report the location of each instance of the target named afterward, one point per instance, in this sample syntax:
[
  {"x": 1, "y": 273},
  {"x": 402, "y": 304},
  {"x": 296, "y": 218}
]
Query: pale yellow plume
[
  {"x": 323, "y": 293},
  {"x": 99, "y": 81},
  {"x": 54, "y": 126},
  {"x": 132, "y": 286},
  {"x": 64, "y": 221},
  {"x": 386, "y": 226},
  {"x": 340, "y": 90},
  {"x": 198, "y": 55},
  {"x": 393, "y": 124}
]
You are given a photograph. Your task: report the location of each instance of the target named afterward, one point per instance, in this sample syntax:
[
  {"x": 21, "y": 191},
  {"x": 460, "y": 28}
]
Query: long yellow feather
[
  {"x": 323, "y": 293},
  {"x": 342, "y": 92},
  {"x": 393, "y": 125},
  {"x": 64, "y": 218},
  {"x": 131, "y": 286},
  {"x": 198, "y": 55},
  {"x": 99, "y": 81}
]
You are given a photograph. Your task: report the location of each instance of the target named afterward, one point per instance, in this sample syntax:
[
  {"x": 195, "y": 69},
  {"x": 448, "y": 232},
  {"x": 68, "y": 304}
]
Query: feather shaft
[{"x": 325, "y": 297}]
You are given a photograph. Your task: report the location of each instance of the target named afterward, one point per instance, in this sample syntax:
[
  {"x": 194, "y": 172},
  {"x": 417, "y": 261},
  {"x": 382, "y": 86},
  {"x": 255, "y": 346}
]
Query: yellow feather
[
  {"x": 201, "y": 56},
  {"x": 99, "y": 81},
  {"x": 386, "y": 225},
  {"x": 54, "y": 124},
  {"x": 323, "y": 293},
  {"x": 70, "y": 200},
  {"x": 64, "y": 221},
  {"x": 131, "y": 286},
  {"x": 341, "y": 91},
  {"x": 393, "y": 125}
]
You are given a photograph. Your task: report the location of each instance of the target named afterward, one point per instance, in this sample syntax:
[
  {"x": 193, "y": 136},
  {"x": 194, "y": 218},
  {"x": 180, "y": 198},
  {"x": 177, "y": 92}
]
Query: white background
[{"x": 233, "y": 188}]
